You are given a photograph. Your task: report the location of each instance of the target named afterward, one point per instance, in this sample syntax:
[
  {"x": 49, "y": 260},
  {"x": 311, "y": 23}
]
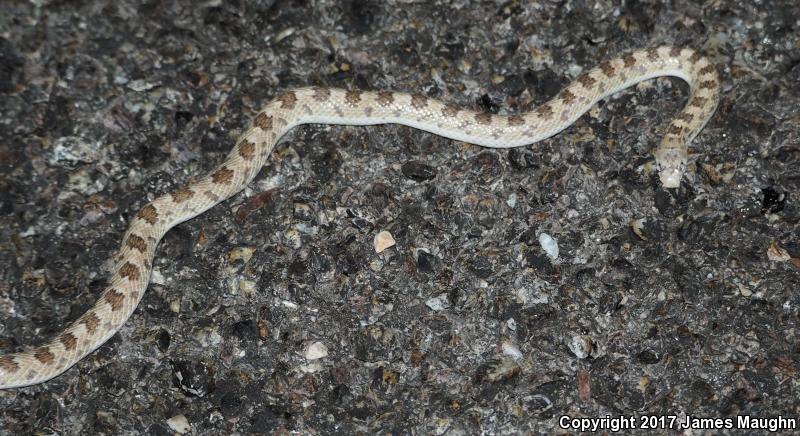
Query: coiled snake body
[{"x": 132, "y": 267}]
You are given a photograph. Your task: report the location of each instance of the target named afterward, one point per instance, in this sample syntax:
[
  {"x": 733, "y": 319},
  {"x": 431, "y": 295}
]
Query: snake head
[{"x": 671, "y": 161}]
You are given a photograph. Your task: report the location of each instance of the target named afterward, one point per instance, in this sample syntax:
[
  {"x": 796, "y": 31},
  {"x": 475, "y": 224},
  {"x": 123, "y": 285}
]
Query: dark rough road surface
[{"x": 272, "y": 313}]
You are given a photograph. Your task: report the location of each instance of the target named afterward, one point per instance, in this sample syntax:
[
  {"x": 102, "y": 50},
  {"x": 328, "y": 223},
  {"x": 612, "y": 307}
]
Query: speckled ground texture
[{"x": 661, "y": 302}]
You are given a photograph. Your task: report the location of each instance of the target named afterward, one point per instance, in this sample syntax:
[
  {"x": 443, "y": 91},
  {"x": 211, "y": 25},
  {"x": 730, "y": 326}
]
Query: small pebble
[
  {"x": 510, "y": 349},
  {"x": 140, "y": 85},
  {"x": 241, "y": 253},
  {"x": 499, "y": 369},
  {"x": 549, "y": 245},
  {"x": 511, "y": 324},
  {"x": 438, "y": 303},
  {"x": 316, "y": 350},
  {"x": 383, "y": 240},
  {"x": 247, "y": 286},
  {"x": 157, "y": 278},
  {"x": 179, "y": 424},
  {"x": 511, "y": 201},
  {"x": 776, "y": 253},
  {"x": 637, "y": 226},
  {"x": 580, "y": 346},
  {"x": 175, "y": 305}
]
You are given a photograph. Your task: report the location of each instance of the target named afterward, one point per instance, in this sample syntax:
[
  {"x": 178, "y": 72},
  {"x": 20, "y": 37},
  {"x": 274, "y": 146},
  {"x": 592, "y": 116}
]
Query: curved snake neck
[{"x": 131, "y": 272}]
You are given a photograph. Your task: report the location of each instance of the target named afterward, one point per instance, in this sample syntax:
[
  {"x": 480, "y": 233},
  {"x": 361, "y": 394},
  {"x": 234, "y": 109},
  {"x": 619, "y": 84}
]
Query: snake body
[{"x": 133, "y": 261}]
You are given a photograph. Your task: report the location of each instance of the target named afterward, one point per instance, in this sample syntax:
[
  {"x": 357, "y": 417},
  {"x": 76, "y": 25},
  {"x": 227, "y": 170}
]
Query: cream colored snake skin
[{"x": 132, "y": 267}]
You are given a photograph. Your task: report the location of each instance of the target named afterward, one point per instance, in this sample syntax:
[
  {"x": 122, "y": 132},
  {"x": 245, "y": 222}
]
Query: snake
[{"x": 132, "y": 263}]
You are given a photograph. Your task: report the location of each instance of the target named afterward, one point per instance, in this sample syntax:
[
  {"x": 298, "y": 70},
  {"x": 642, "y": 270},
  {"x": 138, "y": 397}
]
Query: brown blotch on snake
[
  {"x": 385, "y": 98},
  {"x": 222, "y": 175},
  {"x": 352, "y": 97},
  {"x": 43, "y": 355},
  {"x": 91, "y": 321},
  {"x": 450, "y": 111},
  {"x": 247, "y": 149},
  {"x": 68, "y": 340},
  {"x": 629, "y": 60},
  {"x": 567, "y": 96},
  {"x": 607, "y": 69},
  {"x": 149, "y": 214},
  {"x": 586, "y": 80},
  {"x": 114, "y": 299},
  {"x": 695, "y": 57},
  {"x": 130, "y": 271},
  {"x": 181, "y": 195},
  {"x": 708, "y": 84},
  {"x": 418, "y": 101},
  {"x": 484, "y": 118},
  {"x": 545, "y": 112},
  {"x": 263, "y": 121},
  {"x": 698, "y": 102},
  {"x": 136, "y": 242},
  {"x": 321, "y": 94},
  {"x": 288, "y": 100},
  {"x": 707, "y": 70},
  {"x": 7, "y": 364},
  {"x": 516, "y": 120}
]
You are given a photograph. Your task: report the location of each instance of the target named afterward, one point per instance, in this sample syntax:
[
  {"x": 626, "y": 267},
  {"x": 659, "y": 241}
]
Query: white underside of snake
[{"x": 131, "y": 272}]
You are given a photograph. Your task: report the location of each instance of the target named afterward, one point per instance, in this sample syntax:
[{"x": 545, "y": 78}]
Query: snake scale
[{"x": 133, "y": 261}]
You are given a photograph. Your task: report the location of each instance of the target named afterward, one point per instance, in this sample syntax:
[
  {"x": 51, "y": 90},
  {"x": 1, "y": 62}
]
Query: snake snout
[{"x": 670, "y": 177}]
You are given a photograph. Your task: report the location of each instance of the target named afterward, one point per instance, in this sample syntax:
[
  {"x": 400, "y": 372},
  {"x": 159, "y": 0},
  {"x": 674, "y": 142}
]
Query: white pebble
[
  {"x": 549, "y": 245},
  {"x": 581, "y": 346},
  {"x": 383, "y": 240},
  {"x": 140, "y": 85},
  {"x": 247, "y": 286},
  {"x": 511, "y": 324},
  {"x": 512, "y": 200},
  {"x": 179, "y": 424},
  {"x": 157, "y": 278},
  {"x": 438, "y": 303},
  {"x": 311, "y": 367},
  {"x": 315, "y": 351},
  {"x": 510, "y": 350}
]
